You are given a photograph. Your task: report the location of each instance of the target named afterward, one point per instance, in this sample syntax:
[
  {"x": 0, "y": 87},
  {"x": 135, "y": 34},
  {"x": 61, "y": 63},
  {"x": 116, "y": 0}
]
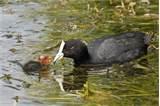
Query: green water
[{"x": 133, "y": 84}]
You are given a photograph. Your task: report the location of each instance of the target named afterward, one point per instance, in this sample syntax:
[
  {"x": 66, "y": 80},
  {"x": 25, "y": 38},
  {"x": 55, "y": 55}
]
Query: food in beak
[{"x": 60, "y": 54}]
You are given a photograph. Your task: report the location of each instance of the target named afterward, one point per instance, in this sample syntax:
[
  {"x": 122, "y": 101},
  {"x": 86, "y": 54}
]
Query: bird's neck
[{"x": 82, "y": 59}]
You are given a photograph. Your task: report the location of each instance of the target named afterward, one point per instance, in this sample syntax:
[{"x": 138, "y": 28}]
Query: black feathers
[{"x": 107, "y": 50}]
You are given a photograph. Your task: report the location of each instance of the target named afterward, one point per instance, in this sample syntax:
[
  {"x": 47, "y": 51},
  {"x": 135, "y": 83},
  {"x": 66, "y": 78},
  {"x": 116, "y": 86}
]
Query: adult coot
[{"x": 108, "y": 50}]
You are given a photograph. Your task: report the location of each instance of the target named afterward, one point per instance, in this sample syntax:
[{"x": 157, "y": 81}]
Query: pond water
[{"x": 30, "y": 28}]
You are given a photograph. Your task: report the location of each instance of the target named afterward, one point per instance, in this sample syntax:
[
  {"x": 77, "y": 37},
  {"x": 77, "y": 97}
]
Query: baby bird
[{"x": 32, "y": 67}]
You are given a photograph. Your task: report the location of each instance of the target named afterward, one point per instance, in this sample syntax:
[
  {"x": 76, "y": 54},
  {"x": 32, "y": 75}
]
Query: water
[
  {"x": 16, "y": 21},
  {"x": 29, "y": 29}
]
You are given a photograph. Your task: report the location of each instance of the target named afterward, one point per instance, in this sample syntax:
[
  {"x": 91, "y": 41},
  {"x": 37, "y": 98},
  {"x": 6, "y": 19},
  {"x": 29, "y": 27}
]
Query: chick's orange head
[{"x": 43, "y": 59}]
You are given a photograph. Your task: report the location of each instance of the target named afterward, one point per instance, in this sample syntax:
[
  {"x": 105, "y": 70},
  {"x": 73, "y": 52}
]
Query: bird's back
[{"x": 117, "y": 49}]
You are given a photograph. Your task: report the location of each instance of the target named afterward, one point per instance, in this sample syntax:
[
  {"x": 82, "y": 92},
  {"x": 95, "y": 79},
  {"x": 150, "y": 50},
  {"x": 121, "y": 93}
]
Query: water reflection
[
  {"x": 76, "y": 79},
  {"x": 14, "y": 83},
  {"x": 73, "y": 80}
]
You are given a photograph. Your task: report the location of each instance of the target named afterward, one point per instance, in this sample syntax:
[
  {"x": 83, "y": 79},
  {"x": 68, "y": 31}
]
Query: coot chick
[
  {"x": 32, "y": 67},
  {"x": 107, "y": 50}
]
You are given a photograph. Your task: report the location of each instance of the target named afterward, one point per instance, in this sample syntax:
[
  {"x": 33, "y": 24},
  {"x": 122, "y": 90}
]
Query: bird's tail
[{"x": 16, "y": 62}]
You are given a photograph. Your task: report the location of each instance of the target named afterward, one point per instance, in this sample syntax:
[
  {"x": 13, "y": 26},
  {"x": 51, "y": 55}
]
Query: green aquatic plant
[
  {"x": 86, "y": 91},
  {"x": 135, "y": 83}
]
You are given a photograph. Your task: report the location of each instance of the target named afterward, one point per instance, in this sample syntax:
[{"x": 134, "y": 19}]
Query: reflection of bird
[
  {"x": 33, "y": 67},
  {"x": 58, "y": 76},
  {"x": 107, "y": 50},
  {"x": 76, "y": 79}
]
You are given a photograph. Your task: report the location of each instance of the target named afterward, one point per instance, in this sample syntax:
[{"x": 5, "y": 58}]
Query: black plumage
[{"x": 108, "y": 50}]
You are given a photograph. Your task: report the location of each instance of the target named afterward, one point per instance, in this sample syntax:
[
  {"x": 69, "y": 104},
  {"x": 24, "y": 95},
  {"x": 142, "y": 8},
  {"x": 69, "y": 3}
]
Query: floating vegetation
[{"x": 134, "y": 83}]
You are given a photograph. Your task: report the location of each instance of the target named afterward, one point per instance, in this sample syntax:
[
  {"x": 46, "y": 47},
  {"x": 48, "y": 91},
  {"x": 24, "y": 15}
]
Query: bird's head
[
  {"x": 75, "y": 49},
  {"x": 45, "y": 59}
]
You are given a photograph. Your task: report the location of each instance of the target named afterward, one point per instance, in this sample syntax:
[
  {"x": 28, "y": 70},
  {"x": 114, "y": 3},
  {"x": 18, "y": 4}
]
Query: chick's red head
[{"x": 46, "y": 60}]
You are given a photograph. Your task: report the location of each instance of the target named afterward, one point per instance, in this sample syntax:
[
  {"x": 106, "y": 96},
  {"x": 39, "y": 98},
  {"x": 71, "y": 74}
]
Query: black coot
[{"x": 108, "y": 50}]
